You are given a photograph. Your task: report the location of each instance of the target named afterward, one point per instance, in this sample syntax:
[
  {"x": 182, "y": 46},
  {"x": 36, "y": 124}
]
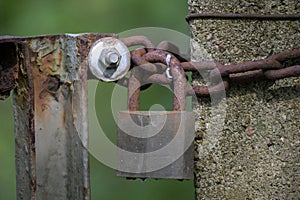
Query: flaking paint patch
[{"x": 50, "y": 116}]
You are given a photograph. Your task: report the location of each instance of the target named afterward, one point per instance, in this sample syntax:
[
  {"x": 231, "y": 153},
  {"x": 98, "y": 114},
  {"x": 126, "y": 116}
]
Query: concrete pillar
[{"x": 248, "y": 145}]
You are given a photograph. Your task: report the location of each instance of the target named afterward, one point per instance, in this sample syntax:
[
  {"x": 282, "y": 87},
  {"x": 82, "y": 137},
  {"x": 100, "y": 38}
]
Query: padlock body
[{"x": 155, "y": 144}]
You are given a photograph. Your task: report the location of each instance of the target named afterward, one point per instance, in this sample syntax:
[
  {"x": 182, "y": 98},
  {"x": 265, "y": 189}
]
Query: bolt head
[
  {"x": 112, "y": 58},
  {"x": 109, "y": 59}
]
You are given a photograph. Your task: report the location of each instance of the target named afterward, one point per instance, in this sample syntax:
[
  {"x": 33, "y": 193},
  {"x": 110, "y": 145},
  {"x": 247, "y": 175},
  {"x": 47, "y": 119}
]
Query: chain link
[
  {"x": 152, "y": 62},
  {"x": 154, "y": 67}
]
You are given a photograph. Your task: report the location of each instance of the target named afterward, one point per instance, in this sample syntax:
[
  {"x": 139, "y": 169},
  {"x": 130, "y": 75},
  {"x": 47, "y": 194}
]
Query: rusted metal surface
[
  {"x": 283, "y": 73},
  {"x": 230, "y": 16},
  {"x": 168, "y": 46},
  {"x": 202, "y": 91},
  {"x": 25, "y": 148},
  {"x": 49, "y": 79},
  {"x": 271, "y": 63},
  {"x": 8, "y": 68},
  {"x": 134, "y": 85},
  {"x": 274, "y": 67},
  {"x": 138, "y": 41},
  {"x": 141, "y": 58},
  {"x": 150, "y": 66}
]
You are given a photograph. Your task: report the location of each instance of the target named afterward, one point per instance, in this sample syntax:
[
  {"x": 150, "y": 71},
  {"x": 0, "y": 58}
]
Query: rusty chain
[{"x": 154, "y": 68}]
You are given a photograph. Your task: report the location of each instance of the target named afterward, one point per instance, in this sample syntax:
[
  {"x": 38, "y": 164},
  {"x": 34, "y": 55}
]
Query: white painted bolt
[
  {"x": 109, "y": 59},
  {"x": 112, "y": 58}
]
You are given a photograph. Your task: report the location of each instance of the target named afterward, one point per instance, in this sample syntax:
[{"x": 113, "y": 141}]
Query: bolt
[
  {"x": 109, "y": 59},
  {"x": 112, "y": 58}
]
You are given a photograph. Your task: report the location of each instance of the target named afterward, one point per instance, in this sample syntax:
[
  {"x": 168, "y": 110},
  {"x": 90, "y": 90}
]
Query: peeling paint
[{"x": 50, "y": 105}]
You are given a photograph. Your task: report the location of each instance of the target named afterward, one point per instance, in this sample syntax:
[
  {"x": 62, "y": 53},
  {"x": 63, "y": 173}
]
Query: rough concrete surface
[{"x": 247, "y": 145}]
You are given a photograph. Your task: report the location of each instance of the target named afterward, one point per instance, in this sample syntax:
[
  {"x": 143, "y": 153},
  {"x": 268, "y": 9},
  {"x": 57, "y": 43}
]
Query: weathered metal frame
[{"x": 49, "y": 78}]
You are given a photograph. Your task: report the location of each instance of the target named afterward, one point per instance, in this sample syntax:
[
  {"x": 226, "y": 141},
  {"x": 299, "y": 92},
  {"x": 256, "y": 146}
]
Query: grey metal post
[{"x": 49, "y": 78}]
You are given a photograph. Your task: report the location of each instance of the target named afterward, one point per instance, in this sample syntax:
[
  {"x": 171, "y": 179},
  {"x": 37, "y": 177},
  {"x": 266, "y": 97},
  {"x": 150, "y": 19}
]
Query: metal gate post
[{"x": 49, "y": 78}]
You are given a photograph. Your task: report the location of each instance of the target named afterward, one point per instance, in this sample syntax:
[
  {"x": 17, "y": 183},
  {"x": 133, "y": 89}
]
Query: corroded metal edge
[{"x": 50, "y": 109}]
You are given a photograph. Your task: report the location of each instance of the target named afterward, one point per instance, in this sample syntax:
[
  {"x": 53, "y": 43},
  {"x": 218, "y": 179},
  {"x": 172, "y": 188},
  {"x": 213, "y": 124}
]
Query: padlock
[{"x": 155, "y": 144}]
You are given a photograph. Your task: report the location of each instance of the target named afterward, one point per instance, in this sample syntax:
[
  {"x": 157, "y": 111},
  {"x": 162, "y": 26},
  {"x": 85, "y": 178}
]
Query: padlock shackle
[{"x": 138, "y": 75}]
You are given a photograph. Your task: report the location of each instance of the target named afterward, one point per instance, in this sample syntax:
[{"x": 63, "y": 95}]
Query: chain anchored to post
[
  {"x": 160, "y": 65},
  {"x": 156, "y": 65}
]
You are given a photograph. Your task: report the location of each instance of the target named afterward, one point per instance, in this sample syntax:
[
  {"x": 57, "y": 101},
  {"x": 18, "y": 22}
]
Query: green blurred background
[{"x": 36, "y": 17}]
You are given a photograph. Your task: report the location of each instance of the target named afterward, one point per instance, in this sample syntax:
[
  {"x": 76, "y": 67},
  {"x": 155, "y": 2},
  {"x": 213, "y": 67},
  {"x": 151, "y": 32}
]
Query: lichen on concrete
[{"x": 248, "y": 145}]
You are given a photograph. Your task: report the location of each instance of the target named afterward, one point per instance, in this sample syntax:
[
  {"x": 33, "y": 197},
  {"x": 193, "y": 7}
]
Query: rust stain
[
  {"x": 8, "y": 68},
  {"x": 86, "y": 41},
  {"x": 32, "y": 59},
  {"x": 25, "y": 98},
  {"x": 86, "y": 192},
  {"x": 33, "y": 184},
  {"x": 59, "y": 57},
  {"x": 45, "y": 88},
  {"x": 52, "y": 84},
  {"x": 50, "y": 64},
  {"x": 47, "y": 62},
  {"x": 30, "y": 85}
]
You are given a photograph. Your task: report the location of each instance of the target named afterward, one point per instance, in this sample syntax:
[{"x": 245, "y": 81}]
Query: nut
[
  {"x": 109, "y": 59},
  {"x": 112, "y": 58}
]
